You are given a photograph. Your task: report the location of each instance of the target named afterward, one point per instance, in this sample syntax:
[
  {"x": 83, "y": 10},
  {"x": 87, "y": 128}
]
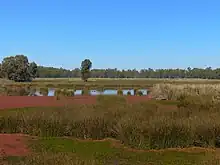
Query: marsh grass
[
  {"x": 49, "y": 159},
  {"x": 69, "y": 92},
  {"x": 85, "y": 91},
  {"x": 186, "y": 122},
  {"x": 119, "y": 92},
  {"x": 57, "y": 92},
  {"x": 44, "y": 91},
  {"x": 146, "y": 125},
  {"x": 169, "y": 158},
  {"x": 15, "y": 90},
  {"x": 33, "y": 90},
  {"x": 66, "y": 151},
  {"x": 173, "y": 92},
  {"x": 109, "y": 83}
]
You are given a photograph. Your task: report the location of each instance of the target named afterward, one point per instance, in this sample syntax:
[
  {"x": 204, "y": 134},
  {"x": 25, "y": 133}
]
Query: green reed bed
[
  {"x": 98, "y": 153},
  {"x": 62, "y": 151}
]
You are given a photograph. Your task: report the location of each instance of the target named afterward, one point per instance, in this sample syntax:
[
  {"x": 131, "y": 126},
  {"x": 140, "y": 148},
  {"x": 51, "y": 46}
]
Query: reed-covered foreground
[{"x": 189, "y": 121}]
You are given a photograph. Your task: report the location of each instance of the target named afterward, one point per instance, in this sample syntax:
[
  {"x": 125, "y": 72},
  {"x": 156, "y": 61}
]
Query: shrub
[
  {"x": 22, "y": 91},
  {"x": 32, "y": 90},
  {"x": 119, "y": 92},
  {"x": 100, "y": 88},
  {"x": 16, "y": 91},
  {"x": 44, "y": 91},
  {"x": 140, "y": 93},
  {"x": 69, "y": 93},
  {"x": 135, "y": 91},
  {"x": 85, "y": 91},
  {"x": 57, "y": 92},
  {"x": 129, "y": 93},
  {"x": 3, "y": 91}
]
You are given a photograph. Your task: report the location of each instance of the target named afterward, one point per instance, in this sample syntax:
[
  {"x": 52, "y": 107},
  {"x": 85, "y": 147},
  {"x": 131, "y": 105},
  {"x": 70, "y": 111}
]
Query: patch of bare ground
[
  {"x": 13, "y": 145},
  {"x": 9, "y": 102}
]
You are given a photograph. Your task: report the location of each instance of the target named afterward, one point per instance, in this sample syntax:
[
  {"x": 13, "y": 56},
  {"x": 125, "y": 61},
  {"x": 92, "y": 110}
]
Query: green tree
[
  {"x": 17, "y": 68},
  {"x": 1, "y": 70},
  {"x": 33, "y": 70},
  {"x": 86, "y": 65}
]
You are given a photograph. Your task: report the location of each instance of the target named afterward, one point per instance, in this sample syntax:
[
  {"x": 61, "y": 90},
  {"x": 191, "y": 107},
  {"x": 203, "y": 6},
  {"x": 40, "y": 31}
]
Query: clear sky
[{"x": 112, "y": 33}]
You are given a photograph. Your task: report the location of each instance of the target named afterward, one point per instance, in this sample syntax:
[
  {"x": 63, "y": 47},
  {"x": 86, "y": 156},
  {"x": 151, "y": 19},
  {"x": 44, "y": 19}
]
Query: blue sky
[{"x": 112, "y": 33}]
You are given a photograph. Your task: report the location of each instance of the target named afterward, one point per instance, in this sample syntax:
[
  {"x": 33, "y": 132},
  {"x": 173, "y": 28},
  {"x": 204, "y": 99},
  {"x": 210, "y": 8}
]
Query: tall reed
[
  {"x": 194, "y": 121},
  {"x": 172, "y": 91}
]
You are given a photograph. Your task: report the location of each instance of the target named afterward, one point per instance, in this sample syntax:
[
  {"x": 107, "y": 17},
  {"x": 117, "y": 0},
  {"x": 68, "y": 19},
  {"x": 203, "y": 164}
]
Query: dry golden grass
[{"x": 173, "y": 91}]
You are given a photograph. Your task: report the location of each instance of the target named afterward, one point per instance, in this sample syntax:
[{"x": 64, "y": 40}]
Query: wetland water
[{"x": 96, "y": 92}]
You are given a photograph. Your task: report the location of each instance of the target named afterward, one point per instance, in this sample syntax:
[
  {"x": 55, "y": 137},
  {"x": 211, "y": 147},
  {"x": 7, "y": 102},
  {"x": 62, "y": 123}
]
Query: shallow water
[
  {"x": 51, "y": 92},
  {"x": 96, "y": 92},
  {"x": 78, "y": 92},
  {"x": 144, "y": 91}
]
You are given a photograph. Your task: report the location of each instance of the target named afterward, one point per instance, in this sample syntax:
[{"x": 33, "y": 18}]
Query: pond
[{"x": 96, "y": 92}]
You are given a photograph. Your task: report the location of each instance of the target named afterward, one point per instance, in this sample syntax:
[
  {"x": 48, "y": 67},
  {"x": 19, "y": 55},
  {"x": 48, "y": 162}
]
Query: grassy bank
[{"x": 66, "y": 151}]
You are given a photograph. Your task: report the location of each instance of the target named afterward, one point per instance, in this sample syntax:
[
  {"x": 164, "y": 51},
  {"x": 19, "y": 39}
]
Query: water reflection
[
  {"x": 110, "y": 92},
  {"x": 37, "y": 93},
  {"x": 78, "y": 92},
  {"x": 144, "y": 91},
  {"x": 95, "y": 92},
  {"x": 125, "y": 91},
  {"x": 51, "y": 92}
]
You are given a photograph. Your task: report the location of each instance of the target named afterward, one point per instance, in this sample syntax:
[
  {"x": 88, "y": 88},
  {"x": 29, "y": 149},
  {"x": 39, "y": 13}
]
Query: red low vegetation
[
  {"x": 13, "y": 145},
  {"x": 9, "y": 102}
]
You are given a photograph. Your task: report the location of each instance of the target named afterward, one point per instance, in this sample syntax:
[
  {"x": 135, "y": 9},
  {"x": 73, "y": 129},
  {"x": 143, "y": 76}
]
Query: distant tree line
[
  {"x": 207, "y": 73},
  {"x": 19, "y": 69}
]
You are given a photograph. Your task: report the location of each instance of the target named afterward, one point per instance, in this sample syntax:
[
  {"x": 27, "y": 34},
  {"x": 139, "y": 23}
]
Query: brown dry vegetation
[
  {"x": 146, "y": 125},
  {"x": 110, "y": 83},
  {"x": 174, "y": 91}
]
